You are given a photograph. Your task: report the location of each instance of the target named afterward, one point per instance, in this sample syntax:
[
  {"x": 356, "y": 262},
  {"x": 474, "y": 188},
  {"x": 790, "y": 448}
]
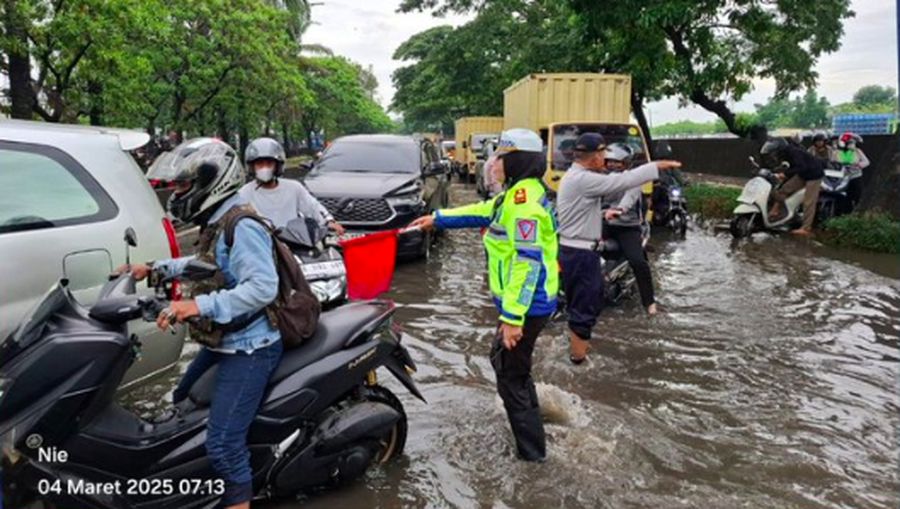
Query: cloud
[{"x": 369, "y": 32}]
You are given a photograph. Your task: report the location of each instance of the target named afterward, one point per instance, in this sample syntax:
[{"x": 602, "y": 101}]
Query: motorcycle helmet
[
  {"x": 848, "y": 141},
  {"x": 265, "y": 148},
  {"x": 205, "y": 172},
  {"x": 522, "y": 154},
  {"x": 819, "y": 136},
  {"x": 772, "y": 151},
  {"x": 620, "y": 155}
]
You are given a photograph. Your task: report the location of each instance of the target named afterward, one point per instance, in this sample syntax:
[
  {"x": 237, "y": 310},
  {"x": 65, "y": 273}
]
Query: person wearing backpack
[{"x": 238, "y": 314}]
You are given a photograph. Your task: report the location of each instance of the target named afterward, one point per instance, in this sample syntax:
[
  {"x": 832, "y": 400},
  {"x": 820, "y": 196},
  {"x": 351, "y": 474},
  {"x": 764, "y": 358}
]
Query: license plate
[{"x": 323, "y": 270}]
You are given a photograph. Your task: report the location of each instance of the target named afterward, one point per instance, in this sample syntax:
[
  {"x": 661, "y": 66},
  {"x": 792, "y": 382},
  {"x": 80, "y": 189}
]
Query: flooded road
[{"x": 769, "y": 380}]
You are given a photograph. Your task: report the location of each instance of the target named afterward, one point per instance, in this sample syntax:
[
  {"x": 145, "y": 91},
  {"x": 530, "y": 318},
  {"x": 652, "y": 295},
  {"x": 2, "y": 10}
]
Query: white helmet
[
  {"x": 519, "y": 140},
  {"x": 619, "y": 152}
]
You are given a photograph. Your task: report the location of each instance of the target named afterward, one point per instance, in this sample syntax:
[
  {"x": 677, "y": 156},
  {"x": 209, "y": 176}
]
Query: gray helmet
[
  {"x": 619, "y": 152},
  {"x": 212, "y": 167},
  {"x": 773, "y": 147},
  {"x": 265, "y": 148}
]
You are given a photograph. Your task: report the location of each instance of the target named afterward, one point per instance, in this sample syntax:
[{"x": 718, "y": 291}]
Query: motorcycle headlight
[{"x": 675, "y": 193}]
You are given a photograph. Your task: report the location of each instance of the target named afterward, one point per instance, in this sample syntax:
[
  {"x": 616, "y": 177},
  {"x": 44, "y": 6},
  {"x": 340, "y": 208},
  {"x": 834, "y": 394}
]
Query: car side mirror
[
  {"x": 196, "y": 270},
  {"x": 663, "y": 150}
]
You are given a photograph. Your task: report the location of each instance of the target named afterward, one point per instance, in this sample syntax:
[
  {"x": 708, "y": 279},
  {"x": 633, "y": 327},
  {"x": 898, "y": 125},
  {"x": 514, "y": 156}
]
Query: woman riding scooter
[
  {"x": 624, "y": 223},
  {"x": 849, "y": 154}
]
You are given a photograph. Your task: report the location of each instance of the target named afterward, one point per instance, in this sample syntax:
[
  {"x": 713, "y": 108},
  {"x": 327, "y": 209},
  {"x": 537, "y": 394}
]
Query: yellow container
[
  {"x": 538, "y": 100},
  {"x": 466, "y": 128}
]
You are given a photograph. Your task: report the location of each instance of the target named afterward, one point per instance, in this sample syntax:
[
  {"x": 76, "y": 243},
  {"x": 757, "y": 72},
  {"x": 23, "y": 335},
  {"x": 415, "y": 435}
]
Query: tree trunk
[
  {"x": 95, "y": 92},
  {"x": 637, "y": 106},
  {"x": 20, "y": 93},
  {"x": 883, "y": 188}
]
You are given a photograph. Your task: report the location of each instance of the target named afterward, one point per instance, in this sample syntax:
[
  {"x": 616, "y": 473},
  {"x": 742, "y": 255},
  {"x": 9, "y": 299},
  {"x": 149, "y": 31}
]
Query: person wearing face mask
[
  {"x": 521, "y": 247},
  {"x": 279, "y": 200}
]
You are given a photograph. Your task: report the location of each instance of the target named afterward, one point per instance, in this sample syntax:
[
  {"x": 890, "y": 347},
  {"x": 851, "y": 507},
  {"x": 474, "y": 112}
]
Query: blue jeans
[{"x": 240, "y": 385}]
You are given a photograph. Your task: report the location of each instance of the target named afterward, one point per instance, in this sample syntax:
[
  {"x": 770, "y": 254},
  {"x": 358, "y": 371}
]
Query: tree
[
  {"x": 807, "y": 112},
  {"x": 703, "y": 51},
  {"x": 871, "y": 95}
]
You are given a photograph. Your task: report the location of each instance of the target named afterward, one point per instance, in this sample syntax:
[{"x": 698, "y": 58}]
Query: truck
[
  {"x": 560, "y": 107},
  {"x": 471, "y": 133}
]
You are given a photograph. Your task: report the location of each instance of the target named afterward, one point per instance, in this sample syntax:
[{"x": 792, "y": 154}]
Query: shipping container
[
  {"x": 538, "y": 100},
  {"x": 470, "y": 133}
]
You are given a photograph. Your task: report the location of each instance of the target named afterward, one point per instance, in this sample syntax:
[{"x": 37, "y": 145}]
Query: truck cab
[{"x": 560, "y": 140}]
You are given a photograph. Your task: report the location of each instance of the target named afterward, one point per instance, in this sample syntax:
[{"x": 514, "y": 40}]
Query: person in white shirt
[{"x": 279, "y": 200}]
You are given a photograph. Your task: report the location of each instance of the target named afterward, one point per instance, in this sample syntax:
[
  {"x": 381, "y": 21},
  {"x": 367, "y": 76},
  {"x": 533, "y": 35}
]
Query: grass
[
  {"x": 295, "y": 162},
  {"x": 712, "y": 201},
  {"x": 870, "y": 231}
]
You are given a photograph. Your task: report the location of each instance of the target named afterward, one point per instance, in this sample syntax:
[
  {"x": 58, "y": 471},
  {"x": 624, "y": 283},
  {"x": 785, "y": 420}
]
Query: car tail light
[{"x": 175, "y": 251}]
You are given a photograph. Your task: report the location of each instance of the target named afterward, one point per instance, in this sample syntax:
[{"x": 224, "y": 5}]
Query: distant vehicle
[
  {"x": 561, "y": 106},
  {"x": 66, "y": 195},
  {"x": 448, "y": 156},
  {"x": 470, "y": 135},
  {"x": 375, "y": 182}
]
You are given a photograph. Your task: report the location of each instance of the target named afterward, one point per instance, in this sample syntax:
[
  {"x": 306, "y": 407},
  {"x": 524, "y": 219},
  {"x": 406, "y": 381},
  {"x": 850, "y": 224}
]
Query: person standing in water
[{"x": 521, "y": 246}]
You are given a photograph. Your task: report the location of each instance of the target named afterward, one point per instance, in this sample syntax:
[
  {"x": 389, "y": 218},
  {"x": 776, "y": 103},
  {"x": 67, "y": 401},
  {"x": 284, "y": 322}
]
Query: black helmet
[
  {"x": 820, "y": 136},
  {"x": 210, "y": 166},
  {"x": 773, "y": 147},
  {"x": 265, "y": 148}
]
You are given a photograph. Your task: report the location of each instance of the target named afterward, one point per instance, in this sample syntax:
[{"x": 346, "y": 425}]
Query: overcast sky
[{"x": 369, "y": 32}]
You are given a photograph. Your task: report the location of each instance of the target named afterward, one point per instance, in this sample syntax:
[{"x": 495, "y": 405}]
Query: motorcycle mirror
[
  {"x": 130, "y": 242},
  {"x": 663, "y": 150},
  {"x": 196, "y": 270}
]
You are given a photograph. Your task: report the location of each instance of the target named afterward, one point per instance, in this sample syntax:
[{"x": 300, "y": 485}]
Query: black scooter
[{"x": 324, "y": 420}]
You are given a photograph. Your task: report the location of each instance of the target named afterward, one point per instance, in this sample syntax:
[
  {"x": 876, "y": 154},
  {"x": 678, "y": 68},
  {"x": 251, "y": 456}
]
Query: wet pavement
[{"x": 769, "y": 380}]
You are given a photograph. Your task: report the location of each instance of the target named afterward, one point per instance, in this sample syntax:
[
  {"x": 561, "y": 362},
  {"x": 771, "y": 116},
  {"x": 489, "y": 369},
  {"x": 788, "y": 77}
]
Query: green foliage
[
  {"x": 687, "y": 127},
  {"x": 808, "y": 111},
  {"x": 871, "y": 95},
  {"x": 870, "y": 231},
  {"x": 712, "y": 201},
  {"x": 707, "y": 52},
  {"x": 223, "y": 67}
]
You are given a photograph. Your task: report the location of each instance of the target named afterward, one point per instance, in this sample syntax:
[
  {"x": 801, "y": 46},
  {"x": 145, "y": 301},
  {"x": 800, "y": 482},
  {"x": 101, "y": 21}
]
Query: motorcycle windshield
[
  {"x": 32, "y": 325},
  {"x": 303, "y": 231}
]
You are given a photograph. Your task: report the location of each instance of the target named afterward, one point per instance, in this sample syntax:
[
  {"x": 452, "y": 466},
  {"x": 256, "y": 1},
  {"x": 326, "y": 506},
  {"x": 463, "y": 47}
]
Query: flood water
[{"x": 769, "y": 380}]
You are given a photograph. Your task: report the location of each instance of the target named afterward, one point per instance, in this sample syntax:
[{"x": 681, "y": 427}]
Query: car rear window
[{"x": 43, "y": 187}]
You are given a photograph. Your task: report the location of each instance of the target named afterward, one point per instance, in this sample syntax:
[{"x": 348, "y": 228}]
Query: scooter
[
  {"x": 320, "y": 259},
  {"x": 323, "y": 421},
  {"x": 752, "y": 212},
  {"x": 833, "y": 198}
]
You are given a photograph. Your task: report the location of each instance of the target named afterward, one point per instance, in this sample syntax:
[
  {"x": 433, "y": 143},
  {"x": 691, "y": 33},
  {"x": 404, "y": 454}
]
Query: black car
[{"x": 380, "y": 182}]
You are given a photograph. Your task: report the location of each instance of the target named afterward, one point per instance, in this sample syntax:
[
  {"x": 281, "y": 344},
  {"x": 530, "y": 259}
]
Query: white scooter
[{"x": 752, "y": 212}]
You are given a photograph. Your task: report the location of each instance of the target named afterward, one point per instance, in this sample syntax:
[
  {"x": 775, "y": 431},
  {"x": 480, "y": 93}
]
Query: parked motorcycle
[
  {"x": 752, "y": 212},
  {"x": 319, "y": 257},
  {"x": 324, "y": 420}
]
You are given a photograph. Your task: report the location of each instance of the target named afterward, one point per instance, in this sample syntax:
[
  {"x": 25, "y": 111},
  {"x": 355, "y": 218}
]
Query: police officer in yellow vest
[{"x": 521, "y": 245}]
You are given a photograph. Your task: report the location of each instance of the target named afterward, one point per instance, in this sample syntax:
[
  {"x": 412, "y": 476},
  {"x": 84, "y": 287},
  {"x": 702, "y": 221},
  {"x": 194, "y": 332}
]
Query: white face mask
[{"x": 265, "y": 174}]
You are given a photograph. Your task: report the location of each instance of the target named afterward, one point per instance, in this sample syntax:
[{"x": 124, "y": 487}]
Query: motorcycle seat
[
  {"x": 337, "y": 329},
  {"x": 609, "y": 247}
]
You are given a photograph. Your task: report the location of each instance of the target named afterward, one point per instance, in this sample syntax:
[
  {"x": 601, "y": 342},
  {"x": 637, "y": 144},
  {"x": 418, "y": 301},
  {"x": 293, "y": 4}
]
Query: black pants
[
  {"x": 516, "y": 389},
  {"x": 854, "y": 191},
  {"x": 629, "y": 239},
  {"x": 582, "y": 278}
]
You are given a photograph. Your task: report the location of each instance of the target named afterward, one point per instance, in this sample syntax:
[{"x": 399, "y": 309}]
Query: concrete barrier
[{"x": 728, "y": 156}]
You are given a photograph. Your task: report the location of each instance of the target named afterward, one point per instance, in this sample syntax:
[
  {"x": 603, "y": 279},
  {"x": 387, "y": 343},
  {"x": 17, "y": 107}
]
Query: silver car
[{"x": 67, "y": 195}]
